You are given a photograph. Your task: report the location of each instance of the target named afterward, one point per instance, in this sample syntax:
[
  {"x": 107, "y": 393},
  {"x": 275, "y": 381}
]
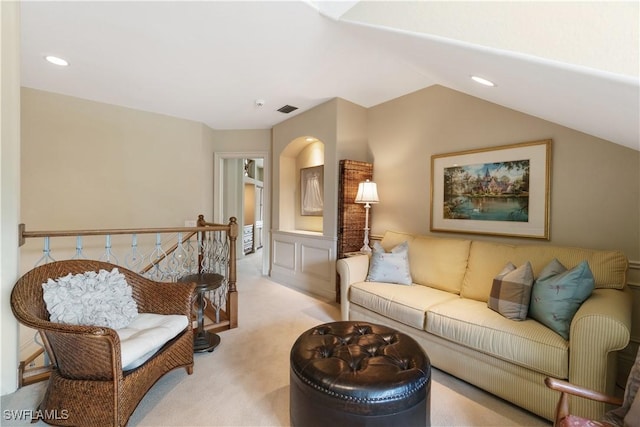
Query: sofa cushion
[
  {"x": 528, "y": 343},
  {"x": 392, "y": 239},
  {"x": 390, "y": 267},
  {"x": 439, "y": 262},
  {"x": 486, "y": 259},
  {"x": 406, "y": 304},
  {"x": 511, "y": 291},
  {"x": 558, "y": 293},
  {"x": 146, "y": 334},
  {"x": 92, "y": 299}
]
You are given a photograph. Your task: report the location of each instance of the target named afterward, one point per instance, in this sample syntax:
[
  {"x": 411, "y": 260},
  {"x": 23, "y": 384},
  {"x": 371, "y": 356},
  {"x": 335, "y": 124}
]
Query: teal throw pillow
[
  {"x": 390, "y": 267},
  {"x": 558, "y": 293},
  {"x": 511, "y": 291}
]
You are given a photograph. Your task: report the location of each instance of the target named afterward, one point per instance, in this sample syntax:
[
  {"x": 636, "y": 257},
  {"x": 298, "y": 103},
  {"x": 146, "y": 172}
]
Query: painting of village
[{"x": 487, "y": 191}]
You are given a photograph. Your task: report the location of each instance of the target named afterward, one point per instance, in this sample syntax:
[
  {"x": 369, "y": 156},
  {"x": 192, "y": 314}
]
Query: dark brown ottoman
[{"x": 358, "y": 374}]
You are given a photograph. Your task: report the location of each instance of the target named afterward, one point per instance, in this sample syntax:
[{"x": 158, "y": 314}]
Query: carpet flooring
[{"x": 245, "y": 381}]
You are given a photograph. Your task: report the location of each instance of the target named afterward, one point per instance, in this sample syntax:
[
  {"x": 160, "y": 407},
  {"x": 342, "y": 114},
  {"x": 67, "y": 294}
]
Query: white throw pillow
[
  {"x": 390, "y": 267},
  {"x": 91, "y": 299}
]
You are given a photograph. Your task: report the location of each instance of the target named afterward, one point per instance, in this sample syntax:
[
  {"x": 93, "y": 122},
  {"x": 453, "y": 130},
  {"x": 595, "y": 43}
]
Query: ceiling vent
[{"x": 287, "y": 109}]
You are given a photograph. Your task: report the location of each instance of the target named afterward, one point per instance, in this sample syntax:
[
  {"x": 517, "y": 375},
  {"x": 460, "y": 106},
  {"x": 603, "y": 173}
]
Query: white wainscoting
[{"x": 306, "y": 261}]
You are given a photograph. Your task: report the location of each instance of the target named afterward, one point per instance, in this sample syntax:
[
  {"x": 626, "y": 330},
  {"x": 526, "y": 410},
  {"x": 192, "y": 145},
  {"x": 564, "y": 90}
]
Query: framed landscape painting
[{"x": 502, "y": 190}]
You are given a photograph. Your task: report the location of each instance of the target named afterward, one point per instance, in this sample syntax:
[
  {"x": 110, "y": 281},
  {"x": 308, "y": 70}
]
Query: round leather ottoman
[{"x": 358, "y": 374}]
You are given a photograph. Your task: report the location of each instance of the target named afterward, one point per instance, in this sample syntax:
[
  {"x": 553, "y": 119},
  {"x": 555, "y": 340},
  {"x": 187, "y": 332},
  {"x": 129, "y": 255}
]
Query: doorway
[{"x": 242, "y": 179}]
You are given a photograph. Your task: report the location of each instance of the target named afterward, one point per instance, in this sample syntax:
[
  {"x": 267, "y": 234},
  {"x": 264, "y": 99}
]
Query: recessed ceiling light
[
  {"x": 57, "y": 61},
  {"x": 483, "y": 81}
]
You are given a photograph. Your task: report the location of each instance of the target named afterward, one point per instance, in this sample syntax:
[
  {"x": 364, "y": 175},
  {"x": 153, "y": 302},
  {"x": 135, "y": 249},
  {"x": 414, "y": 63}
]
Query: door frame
[{"x": 218, "y": 191}]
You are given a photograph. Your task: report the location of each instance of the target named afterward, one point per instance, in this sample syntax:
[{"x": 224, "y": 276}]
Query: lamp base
[{"x": 365, "y": 249}]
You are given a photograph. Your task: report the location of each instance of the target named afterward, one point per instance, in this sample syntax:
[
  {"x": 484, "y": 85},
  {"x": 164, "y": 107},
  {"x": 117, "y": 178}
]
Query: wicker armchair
[{"x": 87, "y": 385}]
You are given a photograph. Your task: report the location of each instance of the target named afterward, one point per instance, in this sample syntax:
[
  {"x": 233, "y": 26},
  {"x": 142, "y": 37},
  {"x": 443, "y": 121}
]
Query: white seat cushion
[{"x": 146, "y": 334}]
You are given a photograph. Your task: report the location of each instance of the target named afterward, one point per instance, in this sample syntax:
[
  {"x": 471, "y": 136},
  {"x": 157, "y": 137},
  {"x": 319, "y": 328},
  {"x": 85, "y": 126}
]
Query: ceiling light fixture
[
  {"x": 483, "y": 81},
  {"x": 57, "y": 61}
]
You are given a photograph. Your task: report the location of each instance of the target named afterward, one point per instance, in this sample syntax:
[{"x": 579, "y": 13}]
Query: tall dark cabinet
[{"x": 351, "y": 215}]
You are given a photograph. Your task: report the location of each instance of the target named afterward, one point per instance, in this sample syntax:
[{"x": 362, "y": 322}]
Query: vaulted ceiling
[{"x": 572, "y": 63}]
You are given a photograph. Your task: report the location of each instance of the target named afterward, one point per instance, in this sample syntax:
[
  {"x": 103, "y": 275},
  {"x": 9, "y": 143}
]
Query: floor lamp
[{"x": 367, "y": 194}]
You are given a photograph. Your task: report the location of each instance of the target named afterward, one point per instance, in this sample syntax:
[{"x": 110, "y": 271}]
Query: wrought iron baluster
[
  {"x": 177, "y": 262},
  {"x": 108, "y": 256},
  {"x": 156, "y": 257},
  {"x": 46, "y": 258},
  {"x": 191, "y": 261},
  {"x": 79, "y": 254},
  {"x": 133, "y": 259}
]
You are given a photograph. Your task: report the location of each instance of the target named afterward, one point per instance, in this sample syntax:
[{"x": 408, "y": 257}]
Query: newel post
[
  {"x": 232, "y": 300},
  {"x": 201, "y": 235}
]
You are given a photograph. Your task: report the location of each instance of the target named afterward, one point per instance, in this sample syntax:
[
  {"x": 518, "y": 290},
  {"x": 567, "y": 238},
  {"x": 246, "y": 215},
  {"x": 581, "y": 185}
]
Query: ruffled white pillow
[{"x": 90, "y": 298}]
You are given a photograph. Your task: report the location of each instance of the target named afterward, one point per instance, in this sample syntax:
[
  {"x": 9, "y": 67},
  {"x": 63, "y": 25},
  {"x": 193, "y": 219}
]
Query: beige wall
[
  {"x": 92, "y": 165},
  {"x": 320, "y": 123},
  {"x": 595, "y": 185},
  {"x": 9, "y": 186},
  {"x": 352, "y": 138}
]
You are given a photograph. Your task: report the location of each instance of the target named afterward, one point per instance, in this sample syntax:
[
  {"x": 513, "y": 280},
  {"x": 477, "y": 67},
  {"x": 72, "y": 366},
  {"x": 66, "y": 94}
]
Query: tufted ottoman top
[{"x": 360, "y": 362}]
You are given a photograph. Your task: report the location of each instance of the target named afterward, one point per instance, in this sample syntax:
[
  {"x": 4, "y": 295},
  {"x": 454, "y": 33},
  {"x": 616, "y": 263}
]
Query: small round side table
[{"x": 203, "y": 340}]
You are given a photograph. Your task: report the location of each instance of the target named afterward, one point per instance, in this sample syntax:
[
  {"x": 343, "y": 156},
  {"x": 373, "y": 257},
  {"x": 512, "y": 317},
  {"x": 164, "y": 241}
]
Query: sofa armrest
[
  {"x": 351, "y": 270},
  {"x": 601, "y": 326}
]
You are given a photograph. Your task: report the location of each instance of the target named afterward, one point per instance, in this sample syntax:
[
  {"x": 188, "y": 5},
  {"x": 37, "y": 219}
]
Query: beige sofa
[{"x": 446, "y": 311}]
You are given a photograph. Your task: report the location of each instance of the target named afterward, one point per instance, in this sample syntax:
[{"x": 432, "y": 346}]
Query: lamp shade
[{"x": 367, "y": 192}]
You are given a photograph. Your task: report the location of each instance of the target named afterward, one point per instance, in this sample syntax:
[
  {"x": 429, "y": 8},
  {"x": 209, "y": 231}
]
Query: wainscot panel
[{"x": 305, "y": 261}]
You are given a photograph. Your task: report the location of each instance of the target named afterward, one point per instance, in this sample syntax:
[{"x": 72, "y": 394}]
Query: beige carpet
[{"x": 245, "y": 381}]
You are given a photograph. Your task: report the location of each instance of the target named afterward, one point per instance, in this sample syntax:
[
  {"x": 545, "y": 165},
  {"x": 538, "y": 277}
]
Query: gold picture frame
[{"x": 502, "y": 191}]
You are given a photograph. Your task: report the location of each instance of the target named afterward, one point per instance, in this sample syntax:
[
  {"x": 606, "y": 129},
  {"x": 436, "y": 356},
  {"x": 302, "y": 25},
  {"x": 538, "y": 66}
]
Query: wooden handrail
[
  {"x": 202, "y": 226},
  {"x": 113, "y": 231}
]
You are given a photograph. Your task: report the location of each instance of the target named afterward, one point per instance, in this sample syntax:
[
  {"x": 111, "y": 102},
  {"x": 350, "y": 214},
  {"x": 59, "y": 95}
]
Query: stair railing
[{"x": 214, "y": 252}]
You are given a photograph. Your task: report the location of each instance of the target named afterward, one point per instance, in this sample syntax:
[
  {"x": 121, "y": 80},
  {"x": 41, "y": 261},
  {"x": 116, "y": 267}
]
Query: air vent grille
[{"x": 287, "y": 109}]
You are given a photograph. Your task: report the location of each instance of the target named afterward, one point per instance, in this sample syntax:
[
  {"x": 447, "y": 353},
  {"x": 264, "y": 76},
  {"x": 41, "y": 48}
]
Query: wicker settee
[{"x": 88, "y": 385}]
